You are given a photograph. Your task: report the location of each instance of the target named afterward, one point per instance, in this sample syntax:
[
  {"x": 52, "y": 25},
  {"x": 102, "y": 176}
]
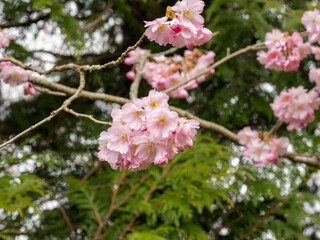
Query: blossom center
[
  {"x": 123, "y": 138},
  {"x": 162, "y": 121},
  {"x": 154, "y": 104}
]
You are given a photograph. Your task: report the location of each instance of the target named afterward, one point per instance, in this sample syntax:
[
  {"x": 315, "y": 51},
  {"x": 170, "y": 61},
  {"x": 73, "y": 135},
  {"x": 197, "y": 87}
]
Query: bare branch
[
  {"x": 53, "y": 114},
  {"x": 136, "y": 82},
  {"x": 261, "y": 220},
  {"x": 92, "y": 170},
  {"x": 55, "y": 93},
  {"x": 223, "y": 60},
  {"x": 98, "y": 19},
  {"x": 275, "y": 128},
  {"x": 72, "y": 66},
  {"x": 86, "y": 116},
  {"x": 67, "y": 219}
]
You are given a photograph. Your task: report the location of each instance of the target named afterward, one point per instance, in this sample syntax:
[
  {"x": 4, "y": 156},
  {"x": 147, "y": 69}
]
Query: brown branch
[
  {"x": 112, "y": 206},
  {"x": 98, "y": 19},
  {"x": 261, "y": 220},
  {"x": 275, "y": 128},
  {"x": 53, "y": 114},
  {"x": 55, "y": 93},
  {"x": 72, "y": 66},
  {"x": 67, "y": 219},
  {"x": 86, "y": 116},
  {"x": 310, "y": 160},
  {"x": 134, "y": 88},
  {"x": 92, "y": 170},
  {"x": 221, "y": 61},
  {"x": 147, "y": 197},
  {"x": 226, "y": 226}
]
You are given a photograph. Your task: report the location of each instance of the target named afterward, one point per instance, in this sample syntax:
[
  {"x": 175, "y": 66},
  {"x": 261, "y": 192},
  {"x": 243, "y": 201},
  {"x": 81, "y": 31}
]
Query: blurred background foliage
[{"x": 208, "y": 192}]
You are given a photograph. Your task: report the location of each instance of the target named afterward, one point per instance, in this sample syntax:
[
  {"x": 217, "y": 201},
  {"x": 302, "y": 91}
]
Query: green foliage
[{"x": 205, "y": 189}]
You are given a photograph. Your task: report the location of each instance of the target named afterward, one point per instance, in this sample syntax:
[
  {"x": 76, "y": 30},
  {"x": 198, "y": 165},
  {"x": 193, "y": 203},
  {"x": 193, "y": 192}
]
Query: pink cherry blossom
[
  {"x": 296, "y": 107},
  {"x": 13, "y": 75},
  {"x": 316, "y": 52},
  {"x": 246, "y": 135},
  {"x": 143, "y": 132},
  {"x": 185, "y": 28},
  {"x": 163, "y": 72},
  {"x": 161, "y": 122},
  {"x": 274, "y": 37},
  {"x": 159, "y": 31},
  {"x": 311, "y": 20},
  {"x": 262, "y": 148},
  {"x": 189, "y": 12},
  {"x": 28, "y": 88},
  {"x": 285, "y": 51},
  {"x": 131, "y": 75}
]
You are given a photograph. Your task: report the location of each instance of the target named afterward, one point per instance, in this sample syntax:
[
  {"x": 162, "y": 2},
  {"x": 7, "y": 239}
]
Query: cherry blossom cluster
[
  {"x": 296, "y": 107},
  {"x": 165, "y": 72},
  {"x": 145, "y": 131},
  {"x": 261, "y": 147},
  {"x": 5, "y": 38},
  {"x": 285, "y": 51},
  {"x": 15, "y": 75},
  {"x": 311, "y": 21},
  {"x": 184, "y": 29}
]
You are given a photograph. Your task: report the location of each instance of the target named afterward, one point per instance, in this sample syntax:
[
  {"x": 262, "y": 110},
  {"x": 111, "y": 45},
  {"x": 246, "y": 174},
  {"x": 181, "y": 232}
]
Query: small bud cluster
[
  {"x": 261, "y": 147},
  {"x": 145, "y": 131},
  {"x": 163, "y": 72},
  {"x": 185, "y": 28}
]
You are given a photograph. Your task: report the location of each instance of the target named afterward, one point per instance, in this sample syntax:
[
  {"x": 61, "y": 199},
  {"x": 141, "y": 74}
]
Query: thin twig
[
  {"x": 261, "y": 220},
  {"x": 92, "y": 170},
  {"x": 67, "y": 219},
  {"x": 53, "y": 114},
  {"x": 55, "y": 93},
  {"x": 112, "y": 206},
  {"x": 86, "y": 116},
  {"x": 98, "y": 19},
  {"x": 134, "y": 88},
  {"x": 223, "y": 60},
  {"x": 146, "y": 198},
  {"x": 72, "y": 66},
  {"x": 275, "y": 128}
]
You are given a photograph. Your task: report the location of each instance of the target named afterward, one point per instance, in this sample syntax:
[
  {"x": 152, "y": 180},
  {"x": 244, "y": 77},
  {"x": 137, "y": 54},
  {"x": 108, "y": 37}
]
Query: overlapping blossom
[
  {"x": 261, "y": 147},
  {"x": 285, "y": 51},
  {"x": 314, "y": 76},
  {"x": 163, "y": 72},
  {"x": 185, "y": 28},
  {"x": 15, "y": 75},
  {"x": 311, "y": 21},
  {"x": 296, "y": 107},
  {"x": 143, "y": 132},
  {"x": 5, "y": 38}
]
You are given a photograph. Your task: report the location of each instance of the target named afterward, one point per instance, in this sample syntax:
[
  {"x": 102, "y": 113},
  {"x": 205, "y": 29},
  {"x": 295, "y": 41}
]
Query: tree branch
[
  {"x": 310, "y": 160},
  {"x": 86, "y": 116},
  {"x": 67, "y": 219},
  {"x": 261, "y": 220},
  {"x": 53, "y": 114},
  {"x": 134, "y": 88},
  {"x": 223, "y": 60},
  {"x": 98, "y": 19},
  {"x": 76, "y": 67}
]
